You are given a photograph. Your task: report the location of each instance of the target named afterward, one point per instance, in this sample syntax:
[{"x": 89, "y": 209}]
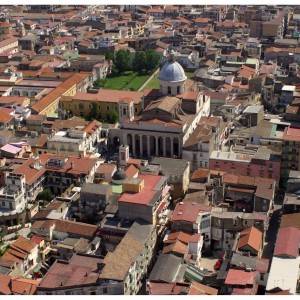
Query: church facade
[{"x": 167, "y": 121}]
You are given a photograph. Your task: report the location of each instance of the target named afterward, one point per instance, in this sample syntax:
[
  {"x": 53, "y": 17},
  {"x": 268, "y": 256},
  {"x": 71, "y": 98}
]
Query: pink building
[{"x": 261, "y": 163}]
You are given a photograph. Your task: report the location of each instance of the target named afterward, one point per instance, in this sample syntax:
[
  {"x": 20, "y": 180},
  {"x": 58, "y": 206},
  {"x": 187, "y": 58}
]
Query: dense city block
[{"x": 151, "y": 150}]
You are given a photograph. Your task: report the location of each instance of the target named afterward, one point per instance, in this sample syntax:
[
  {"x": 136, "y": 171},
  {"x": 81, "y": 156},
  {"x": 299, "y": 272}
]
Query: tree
[
  {"x": 112, "y": 117},
  {"x": 94, "y": 113},
  {"x": 152, "y": 60},
  {"x": 139, "y": 62},
  {"x": 123, "y": 60},
  {"x": 110, "y": 55},
  {"x": 45, "y": 195}
]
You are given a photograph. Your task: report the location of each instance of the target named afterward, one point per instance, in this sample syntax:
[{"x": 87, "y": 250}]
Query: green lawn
[
  {"x": 133, "y": 81},
  {"x": 137, "y": 82},
  {"x": 126, "y": 81},
  {"x": 153, "y": 83}
]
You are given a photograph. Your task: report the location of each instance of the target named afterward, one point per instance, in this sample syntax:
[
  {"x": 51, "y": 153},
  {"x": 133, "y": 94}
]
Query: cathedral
[{"x": 169, "y": 115}]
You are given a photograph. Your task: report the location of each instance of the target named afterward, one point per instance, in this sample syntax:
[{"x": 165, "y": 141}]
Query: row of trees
[
  {"x": 140, "y": 61},
  {"x": 108, "y": 117}
]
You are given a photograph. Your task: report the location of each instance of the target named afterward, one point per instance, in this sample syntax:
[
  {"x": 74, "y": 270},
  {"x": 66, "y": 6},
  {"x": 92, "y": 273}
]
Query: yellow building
[
  {"x": 106, "y": 101},
  {"x": 48, "y": 105}
]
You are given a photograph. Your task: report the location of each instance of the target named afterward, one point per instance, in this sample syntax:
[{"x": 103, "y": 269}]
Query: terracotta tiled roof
[
  {"x": 106, "y": 168},
  {"x": 251, "y": 237},
  {"x": 73, "y": 165},
  {"x": 5, "y": 285},
  {"x": 197, "y": 288},
  {"x": 58, "y": 92},
  {"x": 9, "y": 100},
  {"x": 77, "y": 228},
  {"x": 182, "y": 237},
  {"x": 5, "y": 116},
  {"x": 290, "y": 220},
  {"x": 176, "y": 247},
  {"x": 131, "y": 171},
  {"x": 186, "y": 211},
  {"x": 7, "y": 42},
  {"x": 146, "y": 195},
  {"x": 200, "y": 173},
  {"x": 202, "y": 20},
  {"x": 23, "y": 286},
  {"x": 291, "y": 134},
  {"x": 161, "y": 288},
  {"x": 287, "y": 243},
  {"x": 239, "y": 277},
  {"x": 106, "y": 95},
  {"x": 79, "y": 270},
  {"x": 31, "y": 174}
]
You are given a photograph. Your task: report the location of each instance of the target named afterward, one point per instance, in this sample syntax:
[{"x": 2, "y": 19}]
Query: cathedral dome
[{"x": 172, "y": 71}]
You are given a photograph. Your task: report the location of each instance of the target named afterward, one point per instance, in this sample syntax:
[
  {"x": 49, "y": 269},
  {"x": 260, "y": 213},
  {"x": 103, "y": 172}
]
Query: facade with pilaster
[{"x": 166, "y": 123}]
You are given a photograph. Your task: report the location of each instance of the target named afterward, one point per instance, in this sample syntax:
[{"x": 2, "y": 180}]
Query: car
[{"x": 218, "y": 264}]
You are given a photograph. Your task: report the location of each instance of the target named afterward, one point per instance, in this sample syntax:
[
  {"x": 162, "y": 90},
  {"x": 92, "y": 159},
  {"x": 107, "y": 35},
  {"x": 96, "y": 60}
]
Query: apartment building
[
  {"x": 249, "y": 160},
  {"x": 129, "y": 262}
]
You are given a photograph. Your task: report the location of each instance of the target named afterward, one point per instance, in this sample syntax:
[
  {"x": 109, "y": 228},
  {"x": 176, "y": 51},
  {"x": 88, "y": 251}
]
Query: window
[
  {"x": 105, "y": 290},
  {"x": 3, "y": 203},
  {"x": 169, "y": 90},
  {"x": 178, "y": 90},
  {"x": 107, "y": 107}
]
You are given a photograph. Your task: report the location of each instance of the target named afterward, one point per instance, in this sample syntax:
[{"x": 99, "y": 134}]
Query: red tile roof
[
  {"x": 201, "y": 289},
  {"x": 73, "y": 165},
  {"x": 55, "y": 94},
  {"x": 106, "y": 95},
  {"x": 79, "y": 270},
  {"x": 176, "y": 247},
  {"x": 291, "y": 134},
  {"x": 5, "y": 115},
  {"x": 182, "y": 237},
  {"x": 131, "y": 171},
  {"x": 187, "y": 211},
  {"x": 31, "y": 174},
  {"x": 200, "y": 173},
  {"x": 161, "y": 288},
  {"x": 287, "y": 243},
  {"x": 146, "y": 195},
  {"x": 251, "y": 237},
  {"x": 70, "y": 227},
  {"x": 24, "y": 286},
  {"x": 4, "y": 285},
  {"x": 37, "y": 239},
  {"x": 239, "y": 277},
  {"x": 18, "y": 250}
]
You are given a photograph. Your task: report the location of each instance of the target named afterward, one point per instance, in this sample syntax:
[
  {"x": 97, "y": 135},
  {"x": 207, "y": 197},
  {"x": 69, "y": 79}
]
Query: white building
[{"x": 284, "y": 274}]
